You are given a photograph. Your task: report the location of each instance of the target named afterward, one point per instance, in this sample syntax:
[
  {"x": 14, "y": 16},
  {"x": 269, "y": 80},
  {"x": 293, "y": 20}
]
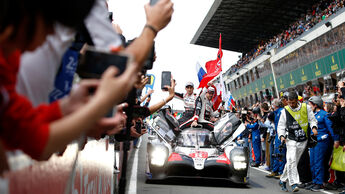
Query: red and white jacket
[{"x": 22, "y": 126}]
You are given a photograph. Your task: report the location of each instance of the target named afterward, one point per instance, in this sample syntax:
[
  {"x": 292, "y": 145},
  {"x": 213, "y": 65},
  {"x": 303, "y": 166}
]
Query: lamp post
[{"x": 273, "y": 73}]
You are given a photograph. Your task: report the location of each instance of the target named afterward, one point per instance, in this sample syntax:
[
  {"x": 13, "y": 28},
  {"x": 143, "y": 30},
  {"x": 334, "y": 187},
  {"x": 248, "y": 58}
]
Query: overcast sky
[{"x": 173, "y": 49}]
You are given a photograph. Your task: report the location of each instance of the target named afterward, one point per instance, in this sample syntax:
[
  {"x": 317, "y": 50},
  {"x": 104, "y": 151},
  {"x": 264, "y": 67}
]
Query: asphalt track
[{"x": 258, "y": 183}]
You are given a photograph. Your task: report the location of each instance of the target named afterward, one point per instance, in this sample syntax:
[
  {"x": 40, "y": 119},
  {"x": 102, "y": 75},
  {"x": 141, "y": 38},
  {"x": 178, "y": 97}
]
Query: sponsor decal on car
[
  {"x": 223, "y": 159},
  {"x": 175, "y": 157},
  {"x": 199, "y": 163}
]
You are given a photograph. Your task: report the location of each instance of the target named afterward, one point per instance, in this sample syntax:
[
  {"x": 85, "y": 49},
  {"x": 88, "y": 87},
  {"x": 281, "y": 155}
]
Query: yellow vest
[{"x": 301, "y": 116}]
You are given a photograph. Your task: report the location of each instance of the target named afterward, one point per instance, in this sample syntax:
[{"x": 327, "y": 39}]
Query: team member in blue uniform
[
  {"x": 317, "y": 153},
  {"x": 278, "y": 162},
  {"x": 253, "y": 127}
]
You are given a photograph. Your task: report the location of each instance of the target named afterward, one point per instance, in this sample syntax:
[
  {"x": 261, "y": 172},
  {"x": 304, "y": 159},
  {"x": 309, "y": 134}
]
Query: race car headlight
[
  {"x": 240, "y": 165},
  {"x": 239, "y": 158},
  {"x": 240, "y": 162},
  {"x": 159, "y": 155}
]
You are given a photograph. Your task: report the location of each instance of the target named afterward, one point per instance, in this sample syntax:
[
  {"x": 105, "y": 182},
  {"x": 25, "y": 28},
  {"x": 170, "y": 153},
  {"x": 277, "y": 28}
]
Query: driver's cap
[{"x": 190, "y": 84}]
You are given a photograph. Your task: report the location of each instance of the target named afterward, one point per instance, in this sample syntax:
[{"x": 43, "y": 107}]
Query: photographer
[
  {"x": 262, "y": 117},
  {"x": 278, "y": 163},
  {"x": 252, "y": 124},
  {"x": 293, "y": 130},
  {"x": 245, "y": 134}
]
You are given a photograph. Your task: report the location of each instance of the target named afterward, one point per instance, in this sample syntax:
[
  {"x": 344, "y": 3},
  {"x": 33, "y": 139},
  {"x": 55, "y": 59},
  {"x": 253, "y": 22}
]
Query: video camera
[
  {"x": 244, "y": 113},
  {"x": 280, "y": 155}
]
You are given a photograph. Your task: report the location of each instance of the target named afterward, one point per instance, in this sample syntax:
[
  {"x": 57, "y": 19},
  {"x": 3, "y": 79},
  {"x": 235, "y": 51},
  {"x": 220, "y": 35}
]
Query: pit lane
[{"x": 258, "y": 183}]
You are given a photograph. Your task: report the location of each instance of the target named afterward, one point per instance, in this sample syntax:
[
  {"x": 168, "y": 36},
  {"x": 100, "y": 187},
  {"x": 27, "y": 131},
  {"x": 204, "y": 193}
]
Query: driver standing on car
[
  {"x": 189, "y": 104},
  {"x": 204, "y": 109}
]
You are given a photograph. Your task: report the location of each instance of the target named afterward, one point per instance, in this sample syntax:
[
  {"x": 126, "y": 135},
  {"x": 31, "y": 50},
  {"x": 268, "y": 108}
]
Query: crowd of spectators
[
  {"x": 319, "y": 12},
  {"x": 35, "y": 39}
]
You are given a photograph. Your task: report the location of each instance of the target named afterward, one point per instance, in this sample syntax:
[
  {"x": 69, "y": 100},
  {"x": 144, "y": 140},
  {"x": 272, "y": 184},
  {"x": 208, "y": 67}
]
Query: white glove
[{"x": 324, "y": 136}]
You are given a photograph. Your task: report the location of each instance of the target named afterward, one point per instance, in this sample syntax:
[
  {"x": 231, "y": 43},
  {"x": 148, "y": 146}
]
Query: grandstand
[{"x": 287, "y": 44}]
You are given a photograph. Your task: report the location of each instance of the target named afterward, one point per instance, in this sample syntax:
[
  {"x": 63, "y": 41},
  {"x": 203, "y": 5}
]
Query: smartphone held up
[
  {"x": 166, "y": 80},
  {"x": 153, "y": 2},
  {"x": 94, "y": 62}
]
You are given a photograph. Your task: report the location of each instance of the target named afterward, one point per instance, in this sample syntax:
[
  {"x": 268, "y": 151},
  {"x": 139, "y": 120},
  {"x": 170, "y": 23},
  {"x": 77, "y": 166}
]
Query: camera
[{"x": 280, "y": 155}]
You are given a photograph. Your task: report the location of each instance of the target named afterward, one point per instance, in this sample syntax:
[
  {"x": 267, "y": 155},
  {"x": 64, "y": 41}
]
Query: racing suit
[
  {"x": 294, "y": 124},
  {"x": 256, "y": 141},
  {"x": 317, "y": 153},
  {"x": 203, "y": 111},
  {"x": 189, "y": 106}
]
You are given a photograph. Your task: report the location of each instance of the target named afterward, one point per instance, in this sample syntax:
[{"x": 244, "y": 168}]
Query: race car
[{"x": 196, "y": 152}]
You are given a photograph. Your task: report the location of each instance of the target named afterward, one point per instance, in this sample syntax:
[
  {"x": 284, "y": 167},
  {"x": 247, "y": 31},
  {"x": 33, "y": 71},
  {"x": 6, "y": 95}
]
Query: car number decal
[{"x": 199, "y": 154}]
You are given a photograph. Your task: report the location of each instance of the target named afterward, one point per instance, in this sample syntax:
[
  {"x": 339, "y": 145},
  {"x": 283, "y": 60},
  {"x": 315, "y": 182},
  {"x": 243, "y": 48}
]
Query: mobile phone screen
[
  {"x": 94, "y": 63},
  {"x": 166, "y": 79},
  {"x": 153, "y": 2}
]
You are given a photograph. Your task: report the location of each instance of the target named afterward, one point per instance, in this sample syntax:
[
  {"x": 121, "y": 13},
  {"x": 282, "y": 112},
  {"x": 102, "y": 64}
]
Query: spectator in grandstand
[
  {"x": 292, "y": 129},
  {"x": 318, "y": 153},
  {"x": 320, "y": 12},
  {"x": 189, "y": 99}
]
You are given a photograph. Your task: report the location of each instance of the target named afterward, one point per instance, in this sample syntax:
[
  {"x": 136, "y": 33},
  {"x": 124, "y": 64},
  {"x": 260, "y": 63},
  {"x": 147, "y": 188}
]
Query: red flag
[
  {"x": 213, "y": 67},
  {"x": 217, "y": 101}
]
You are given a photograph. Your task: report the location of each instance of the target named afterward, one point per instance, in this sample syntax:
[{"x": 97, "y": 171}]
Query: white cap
[{"x": 190, "y": 84}]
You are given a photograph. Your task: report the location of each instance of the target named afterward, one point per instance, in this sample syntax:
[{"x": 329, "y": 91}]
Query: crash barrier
[{"x": 87, "y": 171}]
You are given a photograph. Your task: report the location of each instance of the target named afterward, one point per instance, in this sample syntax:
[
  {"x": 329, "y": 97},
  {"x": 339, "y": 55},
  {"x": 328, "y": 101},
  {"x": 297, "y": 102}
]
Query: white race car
[{"x": 196, "y": 152}]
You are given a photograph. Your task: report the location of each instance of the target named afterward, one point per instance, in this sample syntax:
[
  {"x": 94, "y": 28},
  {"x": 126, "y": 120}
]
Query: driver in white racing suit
[{"x": 189, "y": 105}]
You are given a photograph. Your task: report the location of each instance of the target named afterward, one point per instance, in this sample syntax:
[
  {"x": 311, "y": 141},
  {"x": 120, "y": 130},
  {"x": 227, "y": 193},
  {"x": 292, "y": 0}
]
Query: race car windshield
[{"x": 192, "y": 138}]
